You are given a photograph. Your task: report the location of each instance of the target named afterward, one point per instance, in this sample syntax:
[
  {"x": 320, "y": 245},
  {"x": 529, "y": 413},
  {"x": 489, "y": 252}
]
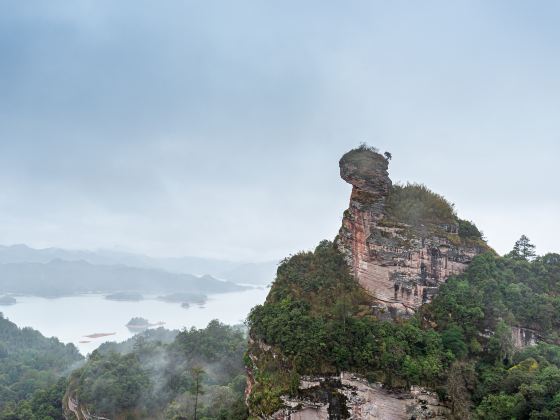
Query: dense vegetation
[
  {"x": 31, "y": 367},
  {"x": 415, "y": 204},
  {"x": 199, "y": 370},
  {"x": 317, "y": 320},
  {"x": 423, "y": 210},
  {"x": 489, "y": 373},
  {"x": 43, "y": 404},
  {"x": 510, "y": 289}
]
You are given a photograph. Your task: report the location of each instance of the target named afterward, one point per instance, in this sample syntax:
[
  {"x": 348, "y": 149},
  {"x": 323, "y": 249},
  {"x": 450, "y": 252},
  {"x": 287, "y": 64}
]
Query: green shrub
[{"x": 415, "y": 204}]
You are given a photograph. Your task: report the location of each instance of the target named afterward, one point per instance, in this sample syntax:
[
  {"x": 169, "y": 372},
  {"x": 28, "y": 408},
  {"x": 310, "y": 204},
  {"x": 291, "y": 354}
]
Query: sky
[{"x": 214, "y": 128}]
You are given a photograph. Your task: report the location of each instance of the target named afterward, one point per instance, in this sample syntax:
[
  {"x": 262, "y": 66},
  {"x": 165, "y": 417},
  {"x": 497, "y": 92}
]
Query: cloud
[{"x": 215, "y": 128}]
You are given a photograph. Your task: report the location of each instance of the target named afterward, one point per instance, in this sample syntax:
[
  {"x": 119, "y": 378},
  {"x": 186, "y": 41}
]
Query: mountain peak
[
  {"x": 401, "y": 243},
  {"x": 366, "y": 170}
]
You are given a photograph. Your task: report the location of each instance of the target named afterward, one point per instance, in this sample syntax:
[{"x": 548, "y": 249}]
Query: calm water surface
[{"x": 70, "y": 319}]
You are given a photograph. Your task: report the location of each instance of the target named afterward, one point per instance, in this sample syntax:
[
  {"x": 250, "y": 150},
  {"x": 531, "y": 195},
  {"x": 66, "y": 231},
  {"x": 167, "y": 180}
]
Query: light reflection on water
[{"x": 71, "y": 318}]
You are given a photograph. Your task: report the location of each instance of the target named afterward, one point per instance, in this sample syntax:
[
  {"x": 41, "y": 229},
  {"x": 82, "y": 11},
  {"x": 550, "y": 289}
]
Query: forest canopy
[
  {"x": 32, "y": 371},
  {"x": 317, "y": 318}
]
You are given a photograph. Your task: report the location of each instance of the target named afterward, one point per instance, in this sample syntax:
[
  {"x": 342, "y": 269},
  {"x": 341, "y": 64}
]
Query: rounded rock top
[{"x": 366, "y": 170}]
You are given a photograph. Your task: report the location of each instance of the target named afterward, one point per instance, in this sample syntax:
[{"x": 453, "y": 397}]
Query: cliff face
[
  {"x": 400, "y": 244},
  {"x": 400, "y": 265},
  {"x": 350, "y": 396},
  {"x": 345, "y": 396}
]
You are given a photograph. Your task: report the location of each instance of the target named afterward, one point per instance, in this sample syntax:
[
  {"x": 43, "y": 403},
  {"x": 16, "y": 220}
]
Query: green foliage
[
  {"x": 113, "y": 383},
  {"x": 415, "y": 204},
  {"x": 529, "y": 389},
  {"x": 316, "y": 317},
  {"x": 43, "y": 404},
  {"x": 363, "y": 147},
  {"x": 520, "y": 292},
  {"x": 539, "y": 367},
  {"x": 317, "y": 321},
  {"x": 494, "y": 294},
  {"x": 29, "y": 363},
  {"x": 158, "y": 335},
  {"x": 468, "y": 230},
  {"x": 453, "y": 339},
  {"x": 523, "y": 249},
  {"x": 500, "y": 407},
  {"x": 202, "y": 368}
]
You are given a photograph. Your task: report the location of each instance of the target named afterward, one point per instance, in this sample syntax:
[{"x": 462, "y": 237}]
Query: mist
[{"x": 214, "y": 130}]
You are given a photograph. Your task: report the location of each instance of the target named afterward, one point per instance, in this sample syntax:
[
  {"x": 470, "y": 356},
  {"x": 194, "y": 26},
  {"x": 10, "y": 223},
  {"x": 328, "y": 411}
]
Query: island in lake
[
  {"x": 99, "y": 335},
  {"x": 184, "y": 298},
  {"x": 7, "y": 300},
  {"x": 139, "y": 324},
  {"x": 125, "y": 296}
]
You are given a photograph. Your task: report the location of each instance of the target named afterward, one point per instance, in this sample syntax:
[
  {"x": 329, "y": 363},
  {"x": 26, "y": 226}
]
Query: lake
[{"x": 71, "y": 318}]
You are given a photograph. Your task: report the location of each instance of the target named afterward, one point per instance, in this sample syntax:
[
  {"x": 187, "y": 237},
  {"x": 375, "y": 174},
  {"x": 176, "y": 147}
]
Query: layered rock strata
[
  {"x": 401, "y": 266},
  {"x": 525, "y": 337},
  {"x": 352, "y": 397}
]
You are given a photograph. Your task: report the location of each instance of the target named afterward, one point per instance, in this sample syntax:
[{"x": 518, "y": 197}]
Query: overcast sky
[{"x": 214, "y": 128}]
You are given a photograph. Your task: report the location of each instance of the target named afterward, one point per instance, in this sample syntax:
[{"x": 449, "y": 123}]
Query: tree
[
  {"x": 454, "y": 340},
  {"x": 500, "y": 407},
  {"x": 461, "y": 378},
  {"x": 468, "y": 229},
  {"x": 365, "y": 147},
  {"x": 197, "y": 373},
  {"x": 500, "y": 344},
  {"x": 388, "y": 155},
  {"x": 523, "y": 248}
]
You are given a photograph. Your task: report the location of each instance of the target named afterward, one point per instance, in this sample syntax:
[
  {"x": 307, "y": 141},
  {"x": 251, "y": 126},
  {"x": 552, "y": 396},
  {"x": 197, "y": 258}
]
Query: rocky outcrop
[
  {"x": 73, "y": 411},
  {"x": 344, "y": 396},
  {"x": 400, "y": 265},
  {"x": 524, "y": 337},
  {"x": 349, "y": 396}
]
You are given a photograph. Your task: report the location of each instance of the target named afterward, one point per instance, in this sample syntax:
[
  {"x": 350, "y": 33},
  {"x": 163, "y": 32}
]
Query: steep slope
[
  {"x": 154, "y": 376},
  {"x": 408, "y": 314},
  {"x": 32, "y": 367},
  {"x": 316, "y": 324},
  {"x": 401, "y": 243}
]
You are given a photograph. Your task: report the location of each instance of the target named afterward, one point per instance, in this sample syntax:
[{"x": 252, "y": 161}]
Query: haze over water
[{"x": 71, "y": 318}]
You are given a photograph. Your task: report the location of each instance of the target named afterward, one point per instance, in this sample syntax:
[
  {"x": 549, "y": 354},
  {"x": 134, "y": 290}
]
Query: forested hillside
[
  {"x": 199, "y": 373},
  {"x": 32, "y": 373},
  {"x": 317, "y": 321},
  {"x": 485, "y": 341}
]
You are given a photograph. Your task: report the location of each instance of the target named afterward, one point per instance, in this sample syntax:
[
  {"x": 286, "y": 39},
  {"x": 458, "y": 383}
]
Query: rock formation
[
  {"x": 350, "y": 396},
  {"x": 524, "y": 337},
  {"x": 400, "y": 262},
  {"x": 400, "y": 265}
]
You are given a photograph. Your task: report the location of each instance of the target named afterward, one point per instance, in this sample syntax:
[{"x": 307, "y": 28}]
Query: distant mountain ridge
[
  {"x": 239, "y": 272},
  {"x": 59, "y": 277}
]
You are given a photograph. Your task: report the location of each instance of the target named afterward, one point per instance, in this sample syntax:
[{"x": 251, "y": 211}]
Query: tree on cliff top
[
  {"x": 523, "y": 248},
  {"x": 366, "y": 147}
]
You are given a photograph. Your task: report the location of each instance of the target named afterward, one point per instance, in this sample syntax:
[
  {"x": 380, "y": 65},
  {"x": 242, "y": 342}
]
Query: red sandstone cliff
[{"x": 401, "y": 265}]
